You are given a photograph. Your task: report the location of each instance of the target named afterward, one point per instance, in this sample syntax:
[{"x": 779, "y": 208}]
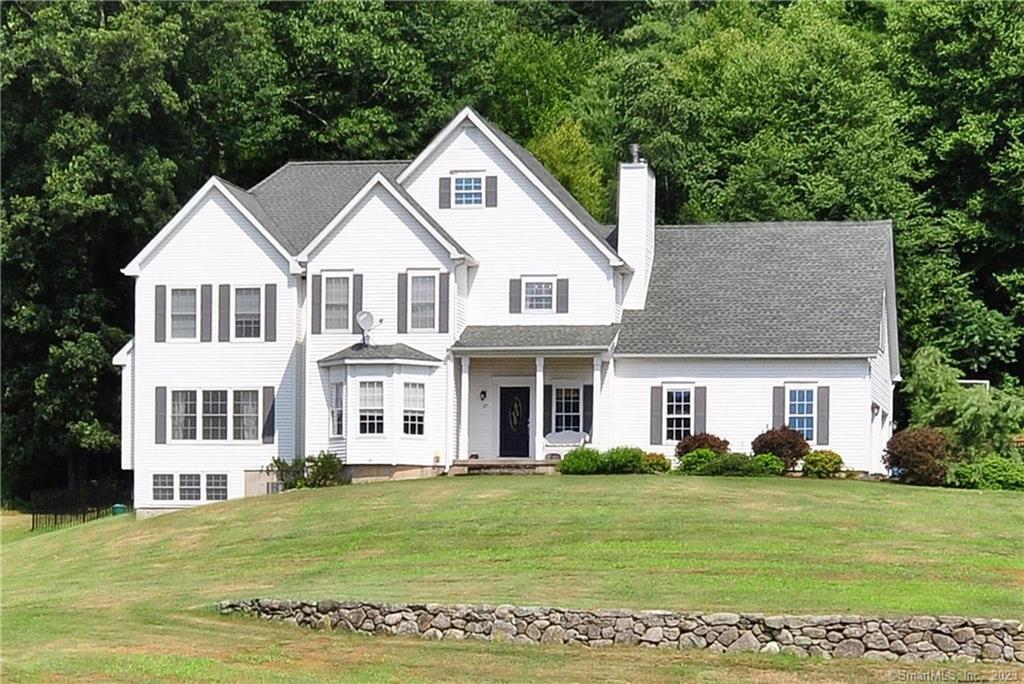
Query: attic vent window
[{"x": 469, "y": 191}]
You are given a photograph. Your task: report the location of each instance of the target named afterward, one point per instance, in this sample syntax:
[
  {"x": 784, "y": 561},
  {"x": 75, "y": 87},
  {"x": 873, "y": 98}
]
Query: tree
[{"x": 959, "y": 66}]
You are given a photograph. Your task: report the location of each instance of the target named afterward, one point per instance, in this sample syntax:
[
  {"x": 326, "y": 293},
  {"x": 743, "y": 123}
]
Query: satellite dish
[{"x": 364, "y": 319}]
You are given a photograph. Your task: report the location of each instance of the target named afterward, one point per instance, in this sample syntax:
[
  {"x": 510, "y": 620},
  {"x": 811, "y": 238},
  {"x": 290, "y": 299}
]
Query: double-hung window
[
  {"x": 469, "y": 191},
  {"x": 800, "y": 411},
  {"x": 163, "y": 487},
  {"x": 678, "y": 413},
  {"x": 215, "y": 414},
  {"x": 246, "y": 414},
  {"x": 422, "y": 302},
  {"x": 216, "y": 487},
  {"x": 337, "y": 409},
  {"x": 188, "y": 487},
  {"x": 183, "y": 414},
  {"x": 568, "y": 414},
  {"x": 371, "y": 407},
  {"x": 336, "y": 306},
  {"x": 183, "y": 314},
  {"x": 247, "y": 312},
  {"x": 414, "y": 416},
  {"x": 538, "y": 295}
]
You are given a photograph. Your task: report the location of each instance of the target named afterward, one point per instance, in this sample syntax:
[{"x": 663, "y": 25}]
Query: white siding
[
  {"x": 379, "y": 240},
  {"x": 881, "y": 394},
  {"x": 213, "y": 245},
  {"x": 739, "y": 399},
  {"x": 524, "y": 235}
]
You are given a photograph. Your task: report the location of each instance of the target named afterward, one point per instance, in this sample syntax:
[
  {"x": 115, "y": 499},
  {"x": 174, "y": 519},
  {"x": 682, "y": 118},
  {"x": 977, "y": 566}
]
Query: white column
[
  {"x": 538, "y": 411},
  {"x": 464, "y": 410},
  {"x": 596, "y": 408}
]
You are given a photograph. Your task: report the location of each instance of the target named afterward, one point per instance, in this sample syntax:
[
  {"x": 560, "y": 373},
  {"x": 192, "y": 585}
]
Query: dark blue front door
[{"x": 514, "y": 414}]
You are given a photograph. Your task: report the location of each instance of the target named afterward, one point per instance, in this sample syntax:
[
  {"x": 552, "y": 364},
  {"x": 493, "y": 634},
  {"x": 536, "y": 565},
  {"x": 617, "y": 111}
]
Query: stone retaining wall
[{"x": 827, "y": 636}]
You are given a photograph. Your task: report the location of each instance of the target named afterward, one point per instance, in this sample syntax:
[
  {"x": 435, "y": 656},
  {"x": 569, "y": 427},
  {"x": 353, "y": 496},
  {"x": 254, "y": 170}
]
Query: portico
[{"x": 521, "y": 400}]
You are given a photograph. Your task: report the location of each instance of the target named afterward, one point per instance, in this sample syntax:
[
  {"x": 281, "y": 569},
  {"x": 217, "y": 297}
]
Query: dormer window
[{"x": 469, "y": 191}]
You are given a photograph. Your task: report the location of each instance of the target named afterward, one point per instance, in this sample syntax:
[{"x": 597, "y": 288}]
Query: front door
[{"x": 514, "y": 416}]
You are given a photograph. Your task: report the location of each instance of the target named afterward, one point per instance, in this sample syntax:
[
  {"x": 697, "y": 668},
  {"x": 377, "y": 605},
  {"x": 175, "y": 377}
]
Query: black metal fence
[{"x": 56, "y": 508}]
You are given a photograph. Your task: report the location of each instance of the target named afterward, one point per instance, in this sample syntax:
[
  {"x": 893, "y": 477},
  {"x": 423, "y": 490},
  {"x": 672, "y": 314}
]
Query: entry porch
[{"x": 530, "y": 392}]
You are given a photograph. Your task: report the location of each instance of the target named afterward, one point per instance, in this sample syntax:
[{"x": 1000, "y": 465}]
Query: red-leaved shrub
[
  {"x": 919, "y": 456},
  {"x": 784, "y": 442},
  {"x": 703, "y": 440}
]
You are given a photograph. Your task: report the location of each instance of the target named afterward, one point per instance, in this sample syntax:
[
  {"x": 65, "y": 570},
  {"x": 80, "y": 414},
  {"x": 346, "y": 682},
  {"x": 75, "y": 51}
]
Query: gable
[
  {"x": 470, "y": 143},
  {"x": 378, "y": 229},
  {"x": 213, "y": 238},
  {"x": 523, "y": 212},
  {"x": 213, "y": 219}
]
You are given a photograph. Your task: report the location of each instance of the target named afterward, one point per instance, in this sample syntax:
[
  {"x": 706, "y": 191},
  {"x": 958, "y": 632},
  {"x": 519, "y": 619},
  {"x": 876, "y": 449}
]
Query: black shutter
[
  {"x": 549, "y": 395},
  {"x": 491, "y": 191},
  {"x": 822, "y": 428},
  {"x": 314, "y": 304},
  {"x": 270, "y": 312},
  {"x": 403, "y": 306},
  {"x": 444, "y": 192},
  {"x": 224, "y": 313},
  {"x": 588, "y": 411},
  {"x": 160, "y": 415},
  {"x": 700, "y": 410},
  {"x": 206, "y": 313},
  {"x": 442, "y": 302},
  {"x": 515, "y": 302},
  {"x": 160, "y": 314},
  {"x": 562, "y": 295},
  {"x": 268, "y": 415},
  {"x": 656, "y": 436},
  {"x": 778, "y": 407},
  {"x": 357, "y": 300}
]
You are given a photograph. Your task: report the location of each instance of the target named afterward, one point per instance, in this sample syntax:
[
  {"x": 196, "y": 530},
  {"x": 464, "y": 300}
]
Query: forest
[{"x": 114, "y": 113}]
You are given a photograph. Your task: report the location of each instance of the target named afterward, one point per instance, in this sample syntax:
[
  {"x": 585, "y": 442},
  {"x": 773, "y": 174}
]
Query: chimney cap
[{"x": 634, "y": 153}]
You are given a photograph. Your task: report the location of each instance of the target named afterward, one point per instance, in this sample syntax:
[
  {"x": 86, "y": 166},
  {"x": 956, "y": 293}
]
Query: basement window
[
  {"x": 216, "y": 487},
  {"x": 163, "y": 487},
  {"x": 188, "y": 487}
]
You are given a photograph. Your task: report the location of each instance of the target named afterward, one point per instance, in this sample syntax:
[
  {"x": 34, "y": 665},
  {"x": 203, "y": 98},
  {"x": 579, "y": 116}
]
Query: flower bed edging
[{"x": 917, "y": 638}]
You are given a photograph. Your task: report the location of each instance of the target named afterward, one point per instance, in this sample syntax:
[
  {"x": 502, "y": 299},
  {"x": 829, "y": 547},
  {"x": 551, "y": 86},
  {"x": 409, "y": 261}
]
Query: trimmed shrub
[
  {"x": 823, "y": 463},
  {"x": 703, "y": 440},
  {"x": 707, "y": 462},
  {"x": 768, "y": 464},
  {"x": 323, "y": 470},
  {"x": 918, "y": 456},
  {"x": 656, "y": 463},
  {"x": 623, "y": 459},
  {"x": 693, "y": 461},
  {"x": 989, "y": 472},
  {"x": 785, "y": 443},
  {"x": 580, "y": 461}
]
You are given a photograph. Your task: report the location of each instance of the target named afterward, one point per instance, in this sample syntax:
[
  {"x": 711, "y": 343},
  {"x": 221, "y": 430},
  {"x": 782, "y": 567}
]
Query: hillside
[{"x": 132, "y": 599}]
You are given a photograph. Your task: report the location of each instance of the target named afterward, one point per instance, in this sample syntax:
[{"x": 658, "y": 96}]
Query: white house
[{"x": 411, "y": 314}]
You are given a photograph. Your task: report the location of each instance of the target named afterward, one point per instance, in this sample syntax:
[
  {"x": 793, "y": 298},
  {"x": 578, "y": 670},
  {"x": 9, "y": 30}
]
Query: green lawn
[{"x": 128, "y": 600}]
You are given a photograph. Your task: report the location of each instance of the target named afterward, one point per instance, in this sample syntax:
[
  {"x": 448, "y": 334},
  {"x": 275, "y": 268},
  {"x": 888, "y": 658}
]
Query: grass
[{"x": 130, "y": 600}]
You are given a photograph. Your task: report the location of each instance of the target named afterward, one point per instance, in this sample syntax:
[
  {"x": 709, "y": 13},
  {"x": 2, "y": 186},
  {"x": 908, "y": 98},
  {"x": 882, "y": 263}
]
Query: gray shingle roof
[
  {"x": 301, "y": 197},
  {"x": 764, "y": 288},
  {"x": 372, "y": 352},
  {"x": 536, "y": 336},
  {"x": 598, "y": 230}
]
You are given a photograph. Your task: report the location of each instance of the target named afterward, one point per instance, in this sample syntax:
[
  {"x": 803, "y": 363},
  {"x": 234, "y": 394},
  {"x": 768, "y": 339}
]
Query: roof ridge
[
  {"x": 748, "y": 224},
  {"x": 310, "y": 162}
]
